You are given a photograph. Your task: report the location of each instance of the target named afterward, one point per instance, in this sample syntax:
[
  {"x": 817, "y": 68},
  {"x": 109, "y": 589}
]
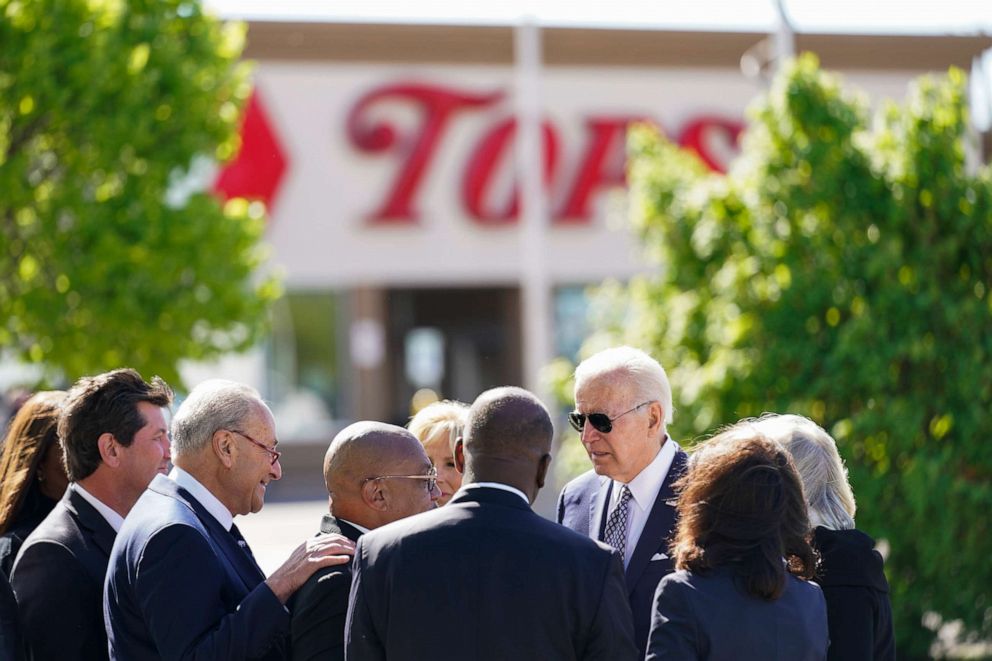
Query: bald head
[
  {"x": 507, "y": 439},
  {"x": 366, "y": 450}
]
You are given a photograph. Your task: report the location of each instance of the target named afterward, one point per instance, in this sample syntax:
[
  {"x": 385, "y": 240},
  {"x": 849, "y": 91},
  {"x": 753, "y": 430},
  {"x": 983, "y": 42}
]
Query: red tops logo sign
[
  {"x": 601, "y": 165},
  {"x": 260, "y": 166}
]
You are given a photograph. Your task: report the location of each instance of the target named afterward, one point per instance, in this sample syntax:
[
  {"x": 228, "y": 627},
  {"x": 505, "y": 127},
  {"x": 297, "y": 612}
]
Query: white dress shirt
[
  {"x": 113, "y": 518},
  {"x": 644, "y": 491},
  {"x": 203, "y": 496},
  {"x": 496, "y": 485}
]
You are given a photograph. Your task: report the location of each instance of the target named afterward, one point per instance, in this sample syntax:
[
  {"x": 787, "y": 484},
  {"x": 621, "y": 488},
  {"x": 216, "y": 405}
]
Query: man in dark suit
[
  {"x": 623, "y": 404},
  {"x": 375, "y": 474},
  {"x": 182, "y": 582},
  {"x": 484, "y": 577},
  {"x": 114, "y": 441}
]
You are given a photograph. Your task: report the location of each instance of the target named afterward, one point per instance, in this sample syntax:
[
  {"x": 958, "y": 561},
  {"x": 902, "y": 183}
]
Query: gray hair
[
  {"x": 644, "y": 373},
  {"x": 212, "y": 405},
  {"x": 828, "y": 493}
]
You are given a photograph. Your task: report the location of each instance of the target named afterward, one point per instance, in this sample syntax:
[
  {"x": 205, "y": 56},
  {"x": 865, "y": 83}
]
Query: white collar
[
  {"x": 203, "y": 496},
  {"x": 496, "y": 485},
  {"x": 645, "y": 487},
  {"x": 113, "y": 518}
]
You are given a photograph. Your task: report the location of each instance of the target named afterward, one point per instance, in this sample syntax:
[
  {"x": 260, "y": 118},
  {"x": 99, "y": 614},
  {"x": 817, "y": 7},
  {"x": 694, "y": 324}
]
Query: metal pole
[{"x": 534, "y": 280}]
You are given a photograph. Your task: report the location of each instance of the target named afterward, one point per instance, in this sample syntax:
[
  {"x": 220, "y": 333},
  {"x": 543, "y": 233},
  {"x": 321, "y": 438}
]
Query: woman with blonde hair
[
  {"x": 32, "y": 477},
  {"x": 850, "y": 572},
  {"x": 438, "y": 426},
  {"x": 741, "y": 557}
]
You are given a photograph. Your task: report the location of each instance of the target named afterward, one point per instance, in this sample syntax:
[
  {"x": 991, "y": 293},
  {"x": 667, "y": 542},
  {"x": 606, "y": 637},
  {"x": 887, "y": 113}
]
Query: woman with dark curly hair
[
  {"x": 741, "y": 555},
  {"x": 32, "y": 478}
]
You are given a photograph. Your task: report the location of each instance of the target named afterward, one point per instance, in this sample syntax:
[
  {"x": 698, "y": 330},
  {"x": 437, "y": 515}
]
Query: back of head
[
  {"x": 741, "y": 505},
  {"x": 212, "y": 405},
  {"x": 640, "y": 372},
  {"x": 814, "y": 452},
  {"x": 106, "y": 403},
  {"x": 364, "y": 454},
  {"x": 32, "y": 432},
  {"x": 440, "y": 421},
  {"x": 508, "y": 436}
]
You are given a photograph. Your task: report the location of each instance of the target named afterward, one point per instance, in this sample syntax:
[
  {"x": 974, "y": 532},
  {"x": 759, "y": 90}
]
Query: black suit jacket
[
  {"x": 10, "y": 635},
  {"x": 582, "y": 508},
  {"x": 179, "y": 586},
  {"x": 320, "y": 606},
  {"x": 485, "y": 578},
  {"x": 58, "y": 581}
]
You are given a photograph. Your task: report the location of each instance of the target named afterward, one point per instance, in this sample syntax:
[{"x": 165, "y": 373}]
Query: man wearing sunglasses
[
  {"x": 485, "y": 577},
  {"x": 375, "y": 474},
  {"x": 182, "y": 582},
  {"x": 623, "y": 404}
]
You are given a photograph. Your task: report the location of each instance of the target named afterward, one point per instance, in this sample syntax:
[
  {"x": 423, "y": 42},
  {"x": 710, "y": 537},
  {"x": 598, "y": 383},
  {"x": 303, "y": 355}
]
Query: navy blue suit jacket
[
  {"x": 709, "y": 616},
  {"x": 582, "y": 508},
  {"x": 58, "y": 581},
  {"x": 179, "y": 586},
  {"x": 487, "y": 579}
]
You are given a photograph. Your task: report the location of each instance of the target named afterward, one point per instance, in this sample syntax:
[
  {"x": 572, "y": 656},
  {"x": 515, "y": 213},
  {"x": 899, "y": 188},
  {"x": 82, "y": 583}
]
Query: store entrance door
[{"x": 454, "y": 342}]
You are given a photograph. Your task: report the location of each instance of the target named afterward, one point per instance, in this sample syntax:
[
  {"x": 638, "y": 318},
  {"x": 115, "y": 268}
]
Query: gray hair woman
[{"x": 859, "y": 614}]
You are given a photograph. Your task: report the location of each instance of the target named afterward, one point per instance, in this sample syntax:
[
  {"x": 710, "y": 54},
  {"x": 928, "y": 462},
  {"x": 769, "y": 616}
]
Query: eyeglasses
[
  {"x": 431, "y": 478},
  {"x": 275, "y": 453},
  {"x": 599, "y": 421}
]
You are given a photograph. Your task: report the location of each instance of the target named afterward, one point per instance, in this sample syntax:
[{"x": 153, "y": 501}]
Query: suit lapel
[
  {"x": 661, "y": 521},
  {"x": 597, "y": 508},
  {"x": 244, "y": 567},
  {"x": 91, "y": 521}
]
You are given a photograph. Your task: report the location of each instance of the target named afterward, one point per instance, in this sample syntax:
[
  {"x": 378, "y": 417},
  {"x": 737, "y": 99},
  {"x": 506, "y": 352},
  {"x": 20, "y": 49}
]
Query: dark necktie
[
  {"x": 243, "y": 545},
  {"x": 616, "y": 526}
]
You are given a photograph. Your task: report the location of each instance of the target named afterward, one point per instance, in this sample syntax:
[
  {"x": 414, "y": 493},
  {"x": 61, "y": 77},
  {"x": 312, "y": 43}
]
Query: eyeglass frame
[
  {"x": 578, "y": 420},
  {"x": 431, "y": 478},
  {"x": 275, "y": 453}
]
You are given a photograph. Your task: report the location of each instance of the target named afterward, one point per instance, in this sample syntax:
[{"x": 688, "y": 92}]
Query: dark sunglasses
[{"x": 599, "y": 421}]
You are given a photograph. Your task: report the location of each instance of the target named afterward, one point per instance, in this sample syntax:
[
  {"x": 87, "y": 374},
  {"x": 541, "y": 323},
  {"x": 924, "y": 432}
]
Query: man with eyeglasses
[
  {"x": 182, "y": 582},
  {"x": 623, "y": 404},
  {"x": 485, "y": 577},
  {"x": 375, "y": 474}
]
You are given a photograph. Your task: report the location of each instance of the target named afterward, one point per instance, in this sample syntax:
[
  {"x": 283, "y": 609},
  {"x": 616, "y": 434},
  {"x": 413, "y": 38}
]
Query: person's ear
[
  {"x": 542, "y": 470},
  {"x": 222, "y": 443},
  {"x": 656, "y": 415},
  {"x": 110, "y": 449},
  {"x": 375, "y": 496},
  {"x": 460, "y": 456}
]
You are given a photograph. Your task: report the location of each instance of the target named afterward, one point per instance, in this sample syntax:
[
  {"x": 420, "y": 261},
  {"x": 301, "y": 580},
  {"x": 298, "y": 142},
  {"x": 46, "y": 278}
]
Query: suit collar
[
  {"x": 331, "y": 525},
  {"x": 249, "y": 572},
  {"x": 489, "y": 496},
  {"x": 660, "y": 521},
  {"x": 90, "y": 520}
]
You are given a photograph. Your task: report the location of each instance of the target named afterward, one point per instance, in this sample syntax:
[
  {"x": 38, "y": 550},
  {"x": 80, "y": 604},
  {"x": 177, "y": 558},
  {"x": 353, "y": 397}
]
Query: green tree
[
  {"x": 841, "y": 270},
  {"x": 104, "y": 107}
]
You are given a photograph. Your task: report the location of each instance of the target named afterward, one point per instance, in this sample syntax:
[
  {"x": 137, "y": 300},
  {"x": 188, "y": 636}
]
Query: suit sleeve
[
  {"x": 851, "y": 622},
  {"x": 53, "y": 595},
  {"x": 319, "y": 611},
  {"x": 611, "y": 636},
  {"x": 361, "y": 641},
  {"x": 10, "y": 642},
  {"x": 178, "y": 586},
  {"x": 674, "y": 634}
]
